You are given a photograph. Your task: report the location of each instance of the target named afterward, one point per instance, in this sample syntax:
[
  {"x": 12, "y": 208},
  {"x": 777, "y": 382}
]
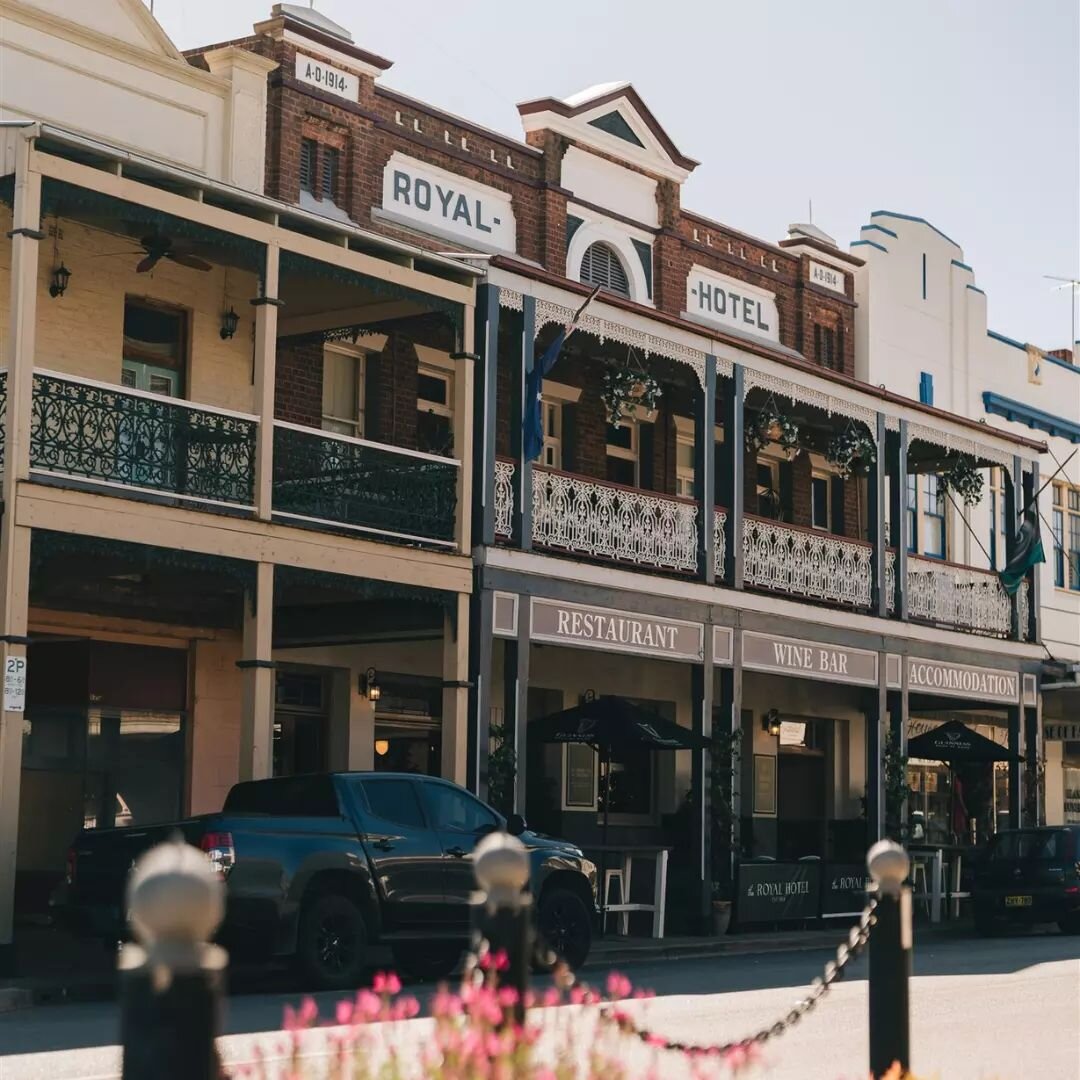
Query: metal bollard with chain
[
  {"x": 890, "y": 959},
  {"x": 834, "y": 969}
]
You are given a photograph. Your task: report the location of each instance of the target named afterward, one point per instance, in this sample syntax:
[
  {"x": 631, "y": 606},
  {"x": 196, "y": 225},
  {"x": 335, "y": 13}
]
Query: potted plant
[
  {"x": 626, "y": 388},
  {"x": 770, "y": 425},
  {"x": 851, "y": 451},
  {"x": 961, "y": 474},
  {"x": 721, "y": 908}
]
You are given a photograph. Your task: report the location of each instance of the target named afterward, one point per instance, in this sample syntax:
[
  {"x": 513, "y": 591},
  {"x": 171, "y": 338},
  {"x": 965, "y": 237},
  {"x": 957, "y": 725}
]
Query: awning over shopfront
[
  {"x": 956, "y": 744},
  {"x": 611, "y": 722}
]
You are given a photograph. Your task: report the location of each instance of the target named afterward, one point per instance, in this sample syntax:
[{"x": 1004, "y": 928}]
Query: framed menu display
[{"x": 579, "y": 777}]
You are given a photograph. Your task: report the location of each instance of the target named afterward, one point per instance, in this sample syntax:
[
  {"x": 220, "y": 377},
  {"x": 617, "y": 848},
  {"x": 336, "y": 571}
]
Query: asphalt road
[{"x": 1007, "y": 1009}]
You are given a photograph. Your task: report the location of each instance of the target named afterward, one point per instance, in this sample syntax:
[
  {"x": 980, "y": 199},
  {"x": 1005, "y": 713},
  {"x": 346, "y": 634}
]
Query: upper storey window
[{"x": 602, "y": 266}]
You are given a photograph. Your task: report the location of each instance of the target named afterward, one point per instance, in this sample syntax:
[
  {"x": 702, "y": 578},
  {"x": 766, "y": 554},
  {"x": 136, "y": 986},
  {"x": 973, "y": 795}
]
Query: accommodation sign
[
  {"x": 615, "y": 631},
  {"x": 808, "y": 659},
  {"x": 731, "y": 304},
  {"x": 324, "y": 76},
  {"x": 963, "y": 680},
  {"x": 447, "y": 205}
]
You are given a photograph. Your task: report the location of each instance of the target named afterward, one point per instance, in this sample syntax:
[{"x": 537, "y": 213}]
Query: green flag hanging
[{"x": 1027, "y": 553}]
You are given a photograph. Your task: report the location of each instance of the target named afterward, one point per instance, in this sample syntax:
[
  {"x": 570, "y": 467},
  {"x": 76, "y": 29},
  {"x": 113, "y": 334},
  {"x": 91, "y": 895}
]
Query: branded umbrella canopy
[
  {"x": 612, "y": 722},
  {"x": 955, "y": 744}
]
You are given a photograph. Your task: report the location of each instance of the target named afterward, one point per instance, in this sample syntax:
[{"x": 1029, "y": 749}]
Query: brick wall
[
  {"x": 391, "y": 383},
  {"x": 298, "y": 383}
]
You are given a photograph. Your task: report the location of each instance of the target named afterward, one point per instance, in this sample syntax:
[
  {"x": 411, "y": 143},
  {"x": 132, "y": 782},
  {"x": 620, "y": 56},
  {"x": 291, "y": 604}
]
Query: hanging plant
[
  {"x": 851, "y": 451},
  {"x": 962, "y": 476},
  {"x": 769, "y": 426},
  {"x": 627, "y": 387}
]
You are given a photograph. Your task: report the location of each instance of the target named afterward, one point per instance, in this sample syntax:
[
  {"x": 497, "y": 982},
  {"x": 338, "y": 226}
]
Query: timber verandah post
[
  {"x": 732, "y": 486},
  {"x": 25, "y": 237},
  {"x": 896, "y": 449},
  {"x": 486, "y": 416},
  {"x": 523, "y": 472},
  {"x": 705, "y": 471},
  {"x": 877, "y": 518}
]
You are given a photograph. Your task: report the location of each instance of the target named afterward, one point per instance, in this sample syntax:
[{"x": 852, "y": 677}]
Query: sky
[{"x": 962, "y": 112}]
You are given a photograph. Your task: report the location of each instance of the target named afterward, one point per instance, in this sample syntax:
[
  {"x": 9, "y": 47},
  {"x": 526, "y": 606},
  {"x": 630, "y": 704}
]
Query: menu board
[{"x": 580, "y": 777}]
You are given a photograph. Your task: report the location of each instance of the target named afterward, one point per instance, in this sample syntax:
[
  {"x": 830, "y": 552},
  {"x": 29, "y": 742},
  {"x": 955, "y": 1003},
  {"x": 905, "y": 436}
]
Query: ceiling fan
[{"x": 157, "y": 246}]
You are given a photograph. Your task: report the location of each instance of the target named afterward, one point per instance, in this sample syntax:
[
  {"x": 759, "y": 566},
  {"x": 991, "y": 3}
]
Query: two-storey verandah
[
  {"x": 234, "y": 512},
  {"x": 688, "y": 592}
]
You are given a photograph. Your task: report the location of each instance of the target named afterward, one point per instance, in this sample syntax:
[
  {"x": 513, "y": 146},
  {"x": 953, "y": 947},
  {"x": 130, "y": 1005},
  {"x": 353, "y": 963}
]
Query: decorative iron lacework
[
  {"x": 609, "y": 330},
  {"x": 374, "y": 488},
  {"x": 719, "y": 542},
  {"x": 960, "y": 596},
  {"x": 504, "y": 498},
  {"x": 960, "y": 444},
  {"x": 817, "y": 566},
  {"x": 596, "y": 519},
  {"x": 818, "y": 399},
  {"x": 99, "y": 433}
]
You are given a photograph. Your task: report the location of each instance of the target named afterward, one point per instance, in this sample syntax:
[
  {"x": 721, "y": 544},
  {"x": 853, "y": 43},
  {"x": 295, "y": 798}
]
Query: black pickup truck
[{"x": 318, "y": 867}]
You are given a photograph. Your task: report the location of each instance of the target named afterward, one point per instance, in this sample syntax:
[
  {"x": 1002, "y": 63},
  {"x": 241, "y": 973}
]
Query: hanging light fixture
[
  {"x": 229, "y": 322},
  {"x": 382, "y": 747},
  {"x": 60, "y": 278},
  {"x": 770, "y": 723}
]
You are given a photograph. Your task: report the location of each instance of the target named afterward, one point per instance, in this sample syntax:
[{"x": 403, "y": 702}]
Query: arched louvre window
[{"x": 602, "y": 266}]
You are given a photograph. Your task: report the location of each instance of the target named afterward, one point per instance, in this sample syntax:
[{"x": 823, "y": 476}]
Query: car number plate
[{"x": 1018, "y": 901}]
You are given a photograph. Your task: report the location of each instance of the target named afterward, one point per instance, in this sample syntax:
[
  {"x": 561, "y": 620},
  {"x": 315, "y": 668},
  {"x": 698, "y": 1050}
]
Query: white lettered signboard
[
  {"x": 324, "y": 76},
  {"x": 447, "y": 205},
  {"x": 732, "y": 304},
  {"x": 809, "y": 659},
  {"x": 963, "y": 680},
  {"x": 15, "y": 684}
]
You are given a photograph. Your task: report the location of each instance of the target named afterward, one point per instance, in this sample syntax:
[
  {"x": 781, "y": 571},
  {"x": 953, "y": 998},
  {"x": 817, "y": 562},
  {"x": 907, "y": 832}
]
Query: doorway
[
  {"x": 301, "y": 724},
  {"x": 802, "y": 789}
]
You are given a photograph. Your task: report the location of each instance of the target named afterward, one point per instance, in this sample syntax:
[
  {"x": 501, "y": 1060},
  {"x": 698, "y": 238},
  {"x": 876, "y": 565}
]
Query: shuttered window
[
  {"x": 331, "y": 157},
  {"x": 601, "y": 266},
  {"x": 307, "y": 165}
]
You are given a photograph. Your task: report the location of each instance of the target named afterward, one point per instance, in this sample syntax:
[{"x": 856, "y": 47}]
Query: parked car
[
  {"x": 319, "y": 867},
  {"x": 1028, "y": 876}
]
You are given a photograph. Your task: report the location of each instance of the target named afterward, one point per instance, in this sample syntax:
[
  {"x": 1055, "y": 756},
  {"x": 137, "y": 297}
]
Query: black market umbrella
[
  {"x": 955, "y": 743},
  {"x": 610, "y": 722}
]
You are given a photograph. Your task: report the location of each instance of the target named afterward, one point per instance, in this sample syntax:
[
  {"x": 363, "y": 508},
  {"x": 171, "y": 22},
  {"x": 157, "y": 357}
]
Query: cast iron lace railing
[
  {"x": 338, "y": 480},
  {"x": 720, "y": 518},
  {"x": 961, "y": 596},
  {"x": 603, "y": 520},
  {"x": 806, "y": 563},
  {"x": 504, "y": 498},
  {"x": 127, "y": 438}
]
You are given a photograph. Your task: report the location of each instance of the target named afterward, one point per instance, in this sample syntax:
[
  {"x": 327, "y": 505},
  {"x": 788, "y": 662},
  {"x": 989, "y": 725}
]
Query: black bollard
[
  {"x": 504, "y": 911},
  {"x": 890, "y": 960},
  {"x": 172, "y": 981}
]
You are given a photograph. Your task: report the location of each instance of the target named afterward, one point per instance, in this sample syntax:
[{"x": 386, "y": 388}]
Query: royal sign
[
  {"x": 963, "y": 680},
  {"x": 615, "y": 631},
  {"x": 446, "y": 205},
  {"x": 730, "y": 303}
]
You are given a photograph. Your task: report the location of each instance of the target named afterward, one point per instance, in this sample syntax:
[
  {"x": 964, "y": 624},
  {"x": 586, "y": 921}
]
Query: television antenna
[{"x": 1073, "y": 285}]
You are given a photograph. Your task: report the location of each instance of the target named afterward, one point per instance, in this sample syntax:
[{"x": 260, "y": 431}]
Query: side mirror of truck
[{"x": 515, "y": 825}]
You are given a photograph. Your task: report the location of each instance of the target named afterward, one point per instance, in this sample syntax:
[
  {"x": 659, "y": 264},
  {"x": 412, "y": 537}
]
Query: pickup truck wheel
[
  {"x": 564, "y": 926},
  {"x": 428, "y": 960},
  {"x": 331, "y": 942}
]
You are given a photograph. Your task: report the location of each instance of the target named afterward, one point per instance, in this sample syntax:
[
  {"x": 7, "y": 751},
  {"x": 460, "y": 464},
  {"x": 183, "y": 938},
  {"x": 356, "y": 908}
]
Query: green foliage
[
  {"x": 625, "y": 388},
  {"x": 771, "y": 425},
  {"x": 961, "y": 474},
  {"x": 851, "y": 451},
  {"x": 502, "y": 768},
  {"x": 894, "y": 767}
]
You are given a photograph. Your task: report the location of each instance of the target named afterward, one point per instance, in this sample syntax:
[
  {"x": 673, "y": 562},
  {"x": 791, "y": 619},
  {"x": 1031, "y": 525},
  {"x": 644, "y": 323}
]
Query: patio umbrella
[
  {"x": 609, "y": 722},
  {"x": 955, "y": 743}
]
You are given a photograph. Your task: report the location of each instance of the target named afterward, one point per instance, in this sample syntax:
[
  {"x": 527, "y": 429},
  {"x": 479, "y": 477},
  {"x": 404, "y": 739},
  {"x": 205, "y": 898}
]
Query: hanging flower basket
[
  {"x": 626, "y": 389},
  {"x": 851, "y": 451},
  {"x": 769, "y": 426},
  {"x": 962, "y": 476}
]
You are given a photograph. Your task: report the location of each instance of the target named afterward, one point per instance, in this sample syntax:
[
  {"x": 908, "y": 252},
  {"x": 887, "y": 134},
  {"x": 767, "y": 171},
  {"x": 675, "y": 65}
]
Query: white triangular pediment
[
  {"x": 128, "y": 21},
  {"x": 611, "y": 118}
]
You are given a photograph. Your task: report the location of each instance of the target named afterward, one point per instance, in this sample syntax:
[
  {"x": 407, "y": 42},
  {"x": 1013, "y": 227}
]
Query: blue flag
[
  {"x": 533, "y": 420},
  {"x": 533, "y": 437}
]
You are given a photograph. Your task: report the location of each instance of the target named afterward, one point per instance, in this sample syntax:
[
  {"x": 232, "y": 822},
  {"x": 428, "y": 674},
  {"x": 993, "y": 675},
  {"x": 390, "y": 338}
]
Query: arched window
[{"x": 602, "y": 266}]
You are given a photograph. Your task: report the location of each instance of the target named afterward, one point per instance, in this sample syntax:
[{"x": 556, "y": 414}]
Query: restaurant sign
[
  {"x": 588, "y": 627},
  {"x": 809, "y": 659},
  {"x": 730, "y": 303},
  {"x": 963, "y": 680},
  {"x": 442, "y": 203},
  {"x": 775, "y": 892}
]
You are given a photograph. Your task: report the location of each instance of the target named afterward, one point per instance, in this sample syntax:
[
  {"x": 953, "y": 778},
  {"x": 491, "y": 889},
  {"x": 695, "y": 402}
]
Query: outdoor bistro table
[
  {"x": 933, "y": 857},
  {"x": 627, "y": 854}
]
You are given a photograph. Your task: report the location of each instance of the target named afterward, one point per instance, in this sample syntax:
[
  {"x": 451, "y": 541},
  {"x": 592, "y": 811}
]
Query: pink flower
[
  {"x": 552, "y": 997},
  {"x": 344, "y": 1012},
  {"x": 368, "y": 1006},
  {"x": 618, "y": 986},
  {"x": 577, "y": 995},
  {"x": 508, "y": 996},
  {"x": 655, "y": 1040},
  {"x": 386, "y": 983}
]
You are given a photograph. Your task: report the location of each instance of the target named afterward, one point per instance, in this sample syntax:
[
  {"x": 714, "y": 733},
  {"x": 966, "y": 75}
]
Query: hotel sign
[
  {"x": 963, "y": 680},
  {"x": 731, "y": 304},
  {"x": 809, "y": 659},
  {"x": 587, "y": 627},
  {"x": 324, "y": 76},
  {"x": 444, "y": 204}
]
